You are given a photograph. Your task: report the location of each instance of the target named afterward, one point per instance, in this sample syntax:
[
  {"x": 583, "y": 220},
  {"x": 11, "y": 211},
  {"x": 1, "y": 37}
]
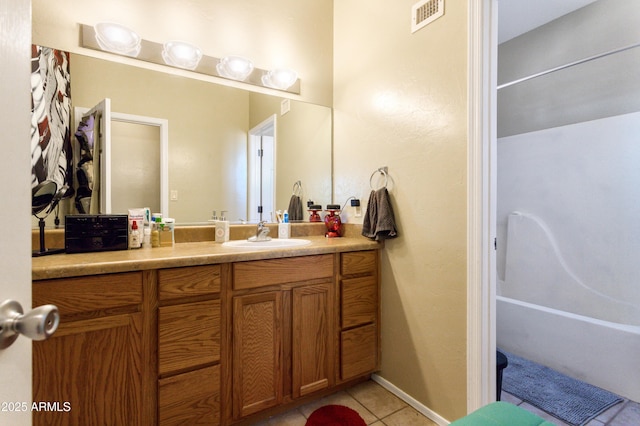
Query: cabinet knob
[{"x": 38, "y": 324}]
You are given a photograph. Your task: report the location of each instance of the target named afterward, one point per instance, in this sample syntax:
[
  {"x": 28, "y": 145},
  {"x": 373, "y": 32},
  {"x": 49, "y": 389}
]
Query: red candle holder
[
  {"x": 332, "y": 221},
  {"x": 313, "y": 213}
]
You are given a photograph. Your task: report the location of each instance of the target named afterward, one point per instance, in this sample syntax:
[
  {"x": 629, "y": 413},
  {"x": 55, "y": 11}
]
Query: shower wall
[
  {"x": 569, "y": 152},
  {"x": 568, "y": 213}
]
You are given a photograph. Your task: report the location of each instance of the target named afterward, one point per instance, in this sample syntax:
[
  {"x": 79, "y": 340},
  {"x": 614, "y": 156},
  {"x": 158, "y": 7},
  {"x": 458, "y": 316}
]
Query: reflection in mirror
[{"x": 208, "y": 136}]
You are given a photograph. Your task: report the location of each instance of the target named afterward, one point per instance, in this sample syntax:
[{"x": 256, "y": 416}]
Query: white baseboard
[{"x": 432, "y": 415}]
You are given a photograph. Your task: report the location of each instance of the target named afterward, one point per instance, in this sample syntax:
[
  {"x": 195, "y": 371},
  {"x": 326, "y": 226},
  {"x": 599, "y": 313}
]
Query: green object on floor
[{"x": 501, "y": 414}]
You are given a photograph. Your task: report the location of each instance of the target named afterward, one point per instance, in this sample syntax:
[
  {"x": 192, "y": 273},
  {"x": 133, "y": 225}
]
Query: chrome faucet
[{"x": 262, "y": 233}]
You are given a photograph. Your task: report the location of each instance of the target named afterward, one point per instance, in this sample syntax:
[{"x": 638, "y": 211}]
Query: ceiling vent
[{"x": 425, "y": 12}]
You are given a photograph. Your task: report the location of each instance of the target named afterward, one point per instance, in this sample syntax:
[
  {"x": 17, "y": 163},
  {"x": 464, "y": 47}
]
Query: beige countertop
[{"x": 183, "y": 254}]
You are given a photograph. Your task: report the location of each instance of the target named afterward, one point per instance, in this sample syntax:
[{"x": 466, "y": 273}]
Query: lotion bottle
[
  {"x": 222, "y": 228},
  {"x": 135, "y": 236}
]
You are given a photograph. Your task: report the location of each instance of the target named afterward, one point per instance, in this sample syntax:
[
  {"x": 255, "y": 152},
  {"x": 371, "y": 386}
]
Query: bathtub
[{"x": 602, "y": 353}]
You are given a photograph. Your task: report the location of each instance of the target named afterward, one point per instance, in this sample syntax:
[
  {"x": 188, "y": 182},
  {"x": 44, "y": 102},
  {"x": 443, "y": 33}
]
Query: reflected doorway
[{"x": 261, "y": 171}]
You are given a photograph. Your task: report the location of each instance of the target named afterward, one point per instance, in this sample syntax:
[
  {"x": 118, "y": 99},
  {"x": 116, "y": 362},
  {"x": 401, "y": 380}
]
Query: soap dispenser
[{"x": 222, "y": 228}]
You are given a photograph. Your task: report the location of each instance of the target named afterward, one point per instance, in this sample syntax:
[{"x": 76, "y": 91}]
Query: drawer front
[
  {"x": 89, "y": 294},
  {"x": 260, "y": 273},
  {"x": 188, "y": 335},
  {"x": 358, "y": 351},
  {"x": 191, "y": 398},
  {"x": 190, "y": 281},
  {"x": 359, "y": 301},
  {"x": 359, "y": 262}
]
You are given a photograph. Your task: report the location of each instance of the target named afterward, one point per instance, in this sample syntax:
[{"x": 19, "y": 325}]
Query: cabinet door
[
  {"x": 257, "y": 352},
  {"x": 92, "y": 369},
  {"x": 313, "y": 349}
]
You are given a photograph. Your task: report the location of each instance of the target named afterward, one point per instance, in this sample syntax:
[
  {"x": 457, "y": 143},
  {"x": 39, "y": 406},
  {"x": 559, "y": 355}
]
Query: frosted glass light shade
[
  {"x": 235, "y": 67},
  {"x": 280, "y": 78},
  {"x": 117, "y": 38},
  {"x": 181, "y": 54}
]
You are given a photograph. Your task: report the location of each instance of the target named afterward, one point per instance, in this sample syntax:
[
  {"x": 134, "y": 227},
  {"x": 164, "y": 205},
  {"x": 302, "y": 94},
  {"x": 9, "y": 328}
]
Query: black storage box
[{"x": 88, "y": 232}]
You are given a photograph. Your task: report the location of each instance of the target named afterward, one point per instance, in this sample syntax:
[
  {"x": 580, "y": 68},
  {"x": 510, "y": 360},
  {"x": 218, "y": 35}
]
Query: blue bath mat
[{"x": 566, "y": 398}]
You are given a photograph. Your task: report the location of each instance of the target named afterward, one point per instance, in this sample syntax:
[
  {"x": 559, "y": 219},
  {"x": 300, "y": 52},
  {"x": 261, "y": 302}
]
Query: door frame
[
  {"x": 481, "y": 203},
  {"x": 105, "y": 155},
  {"x": 15, "y": 251}
]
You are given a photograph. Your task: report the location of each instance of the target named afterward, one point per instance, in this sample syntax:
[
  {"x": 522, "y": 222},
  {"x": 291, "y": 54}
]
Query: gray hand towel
[
  {"x": 295, "y": 208},
  {"x": 379, "y": 222}
]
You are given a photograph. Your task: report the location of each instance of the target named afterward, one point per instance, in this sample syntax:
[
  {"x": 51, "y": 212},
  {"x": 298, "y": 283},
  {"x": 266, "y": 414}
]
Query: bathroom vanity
[{"x": 199, "y": 333}]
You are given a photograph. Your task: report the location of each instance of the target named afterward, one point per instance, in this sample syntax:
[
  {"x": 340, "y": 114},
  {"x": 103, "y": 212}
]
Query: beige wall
[
  {"x": 400, "y": 100},
  {"x": 273, "y": 33}
]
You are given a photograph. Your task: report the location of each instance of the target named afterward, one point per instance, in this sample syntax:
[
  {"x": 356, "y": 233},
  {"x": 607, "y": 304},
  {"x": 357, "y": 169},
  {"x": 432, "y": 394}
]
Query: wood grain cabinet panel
[
  {"x": 313, "y": 348},
  {"x": 261, "y": 273},
  {"x": 359, "y": 301},
  {"x": 191, "y": 281},
  {"x": 188, "y": 335},
  {"x": 257, "y": 352},
  {"x": 359, "y": 262},
  {"x": 191, "y": 398},
  {"x": 359, "y": 351},
  {"x": 95, "y": 366},
  {"x": 92, "y": 296}
]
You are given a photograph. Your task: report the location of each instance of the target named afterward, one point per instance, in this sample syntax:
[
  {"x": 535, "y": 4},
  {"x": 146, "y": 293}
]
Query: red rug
[{"x": 335, "y": 415}]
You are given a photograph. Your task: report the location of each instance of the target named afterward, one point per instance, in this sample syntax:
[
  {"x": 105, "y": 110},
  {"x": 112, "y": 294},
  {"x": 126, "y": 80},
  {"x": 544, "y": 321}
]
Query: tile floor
[
  {"x": 379, "y": 407},
  {"x": 376, "y": 405}
]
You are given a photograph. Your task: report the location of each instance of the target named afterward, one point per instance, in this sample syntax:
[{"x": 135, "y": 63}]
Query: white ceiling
[{"x": 516, "y": 17}]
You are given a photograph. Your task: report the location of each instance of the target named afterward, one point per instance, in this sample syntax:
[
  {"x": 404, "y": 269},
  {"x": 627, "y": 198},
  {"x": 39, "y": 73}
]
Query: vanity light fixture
[
  {"x": 117, "y": 38},
  {"x": 280, "y": 78},
  {"x": 235, "y": 67},
  {"x": 182, "y": 55}
]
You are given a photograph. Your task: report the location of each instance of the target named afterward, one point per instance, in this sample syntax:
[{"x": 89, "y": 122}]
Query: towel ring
[
  {"x": 297, "y": 188},
  {"x": 382, "y": 171}
]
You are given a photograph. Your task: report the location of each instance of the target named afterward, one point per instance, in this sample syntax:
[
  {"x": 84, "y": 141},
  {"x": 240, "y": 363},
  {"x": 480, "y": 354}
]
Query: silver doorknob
[{"x": 39, "y": 324}]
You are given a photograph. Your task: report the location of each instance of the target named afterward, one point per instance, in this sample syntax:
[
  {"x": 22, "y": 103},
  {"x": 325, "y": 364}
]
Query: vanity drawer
[
  {"x": 191, "y": 398},
  {"x": 359, "y": 262},
  {"x": 96, "y": 293},
  {"x": 359, "y": 301},
  {"x": 358, "y": 351},
  {"x": 261, "y": 273},
  {"x": 188, "y": 281},
  {"x": 188, "y": 335}
]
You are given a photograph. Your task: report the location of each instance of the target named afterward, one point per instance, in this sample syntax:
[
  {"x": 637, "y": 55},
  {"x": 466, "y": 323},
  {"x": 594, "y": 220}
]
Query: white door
[
  {"x": 15, "y": 193},
  {"x": 261, "y": 170},
  {"x": 101, "y": 191}
]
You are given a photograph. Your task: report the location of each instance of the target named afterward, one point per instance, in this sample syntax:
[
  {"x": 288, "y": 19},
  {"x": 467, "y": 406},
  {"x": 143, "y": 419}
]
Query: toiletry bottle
[
  {"x": 285, "y": 217},
  {"x": 155, "y": 232},
  {"x": 146, "y": 237},
  {"x": 134, "y": 242},
  {"x": 222, "y": 228}
]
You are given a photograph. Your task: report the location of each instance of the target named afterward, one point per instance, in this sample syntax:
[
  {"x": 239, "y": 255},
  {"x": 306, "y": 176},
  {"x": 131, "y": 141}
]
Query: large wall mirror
[{"x": 209, "y": 126}]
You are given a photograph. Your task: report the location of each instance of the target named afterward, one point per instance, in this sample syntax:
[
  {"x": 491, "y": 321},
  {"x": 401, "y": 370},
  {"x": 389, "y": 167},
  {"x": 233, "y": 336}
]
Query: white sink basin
[{"x": 270, "y": 244}]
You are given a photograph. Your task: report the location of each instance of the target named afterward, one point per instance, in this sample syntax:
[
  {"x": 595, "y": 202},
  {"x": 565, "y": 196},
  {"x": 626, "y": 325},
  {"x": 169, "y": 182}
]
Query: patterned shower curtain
[{"x": 51, "y": 154}]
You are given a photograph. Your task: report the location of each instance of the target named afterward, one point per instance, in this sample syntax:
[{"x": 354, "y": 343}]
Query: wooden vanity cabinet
[
  {"x": 95, "y": 367},
  {"x": 283, "y": 340},
  {"x": 359, "y": 313},
  {"x": 189, "y": 325}
]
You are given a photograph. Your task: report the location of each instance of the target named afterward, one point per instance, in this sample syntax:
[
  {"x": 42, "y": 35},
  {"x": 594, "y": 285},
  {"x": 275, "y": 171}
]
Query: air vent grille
[{"x": 425, "y": 12}]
